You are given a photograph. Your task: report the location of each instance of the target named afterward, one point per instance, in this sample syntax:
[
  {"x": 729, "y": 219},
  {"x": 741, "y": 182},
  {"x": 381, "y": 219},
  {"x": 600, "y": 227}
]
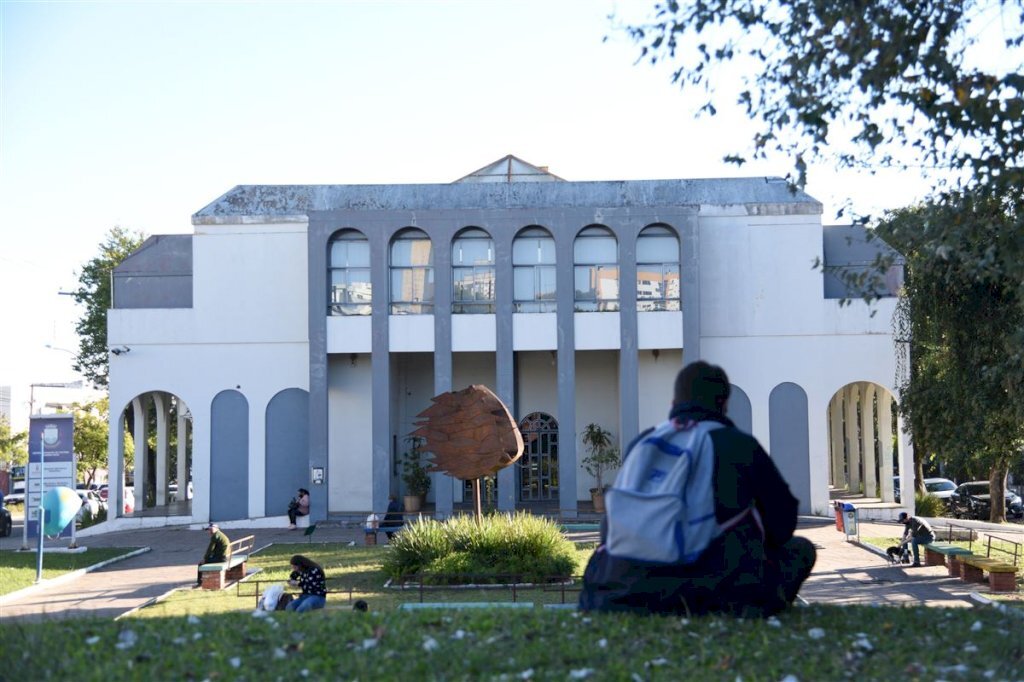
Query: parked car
[
  {"x": 942, "y": 488},
  {"x": 972, "y": 500},
  {"x": 90, "y": 501}
]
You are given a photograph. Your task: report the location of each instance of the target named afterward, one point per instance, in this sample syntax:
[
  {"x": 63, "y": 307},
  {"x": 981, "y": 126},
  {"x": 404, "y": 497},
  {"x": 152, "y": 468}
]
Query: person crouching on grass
[{"x": 308, "y": 575}]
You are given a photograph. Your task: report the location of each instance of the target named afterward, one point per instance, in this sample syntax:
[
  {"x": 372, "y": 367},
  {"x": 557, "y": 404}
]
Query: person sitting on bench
[
  {"x": 217, "y": 551},
  {"x": 918, "y": 532}
]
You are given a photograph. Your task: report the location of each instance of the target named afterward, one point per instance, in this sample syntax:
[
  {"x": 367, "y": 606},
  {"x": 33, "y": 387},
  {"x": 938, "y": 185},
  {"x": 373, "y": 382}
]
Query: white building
[{"x": 300, "y": 329}]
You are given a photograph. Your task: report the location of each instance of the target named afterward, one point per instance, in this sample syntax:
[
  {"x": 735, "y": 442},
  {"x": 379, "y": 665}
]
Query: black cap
[{"x": 904, "y": 517}]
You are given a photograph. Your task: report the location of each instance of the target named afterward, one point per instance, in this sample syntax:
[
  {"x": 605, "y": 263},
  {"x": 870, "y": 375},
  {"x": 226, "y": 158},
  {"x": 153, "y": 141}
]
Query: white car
[{"x": 941, "y": 488}]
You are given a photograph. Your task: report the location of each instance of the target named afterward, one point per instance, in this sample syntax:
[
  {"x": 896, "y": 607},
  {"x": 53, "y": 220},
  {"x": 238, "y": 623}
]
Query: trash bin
[
  {"x": 849, "y": 519},
  {"x": 838, "y": 506}
]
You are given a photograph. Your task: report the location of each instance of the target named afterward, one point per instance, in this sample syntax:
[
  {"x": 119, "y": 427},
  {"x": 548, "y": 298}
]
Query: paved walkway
[{"x": 845, "y": 573}]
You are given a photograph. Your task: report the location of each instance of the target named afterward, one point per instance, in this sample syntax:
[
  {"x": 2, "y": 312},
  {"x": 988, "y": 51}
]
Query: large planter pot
[
  {"x": 597, "y": 497},
  {"x": 413, "y": 503}
]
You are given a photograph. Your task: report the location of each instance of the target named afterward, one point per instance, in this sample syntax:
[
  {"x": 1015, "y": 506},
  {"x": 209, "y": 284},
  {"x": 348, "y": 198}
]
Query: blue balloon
[{"x": 60, "y": 506}]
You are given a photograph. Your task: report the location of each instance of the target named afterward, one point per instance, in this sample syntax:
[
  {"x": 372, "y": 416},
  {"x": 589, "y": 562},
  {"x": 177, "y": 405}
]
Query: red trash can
[{"x": 839, "y": 516}]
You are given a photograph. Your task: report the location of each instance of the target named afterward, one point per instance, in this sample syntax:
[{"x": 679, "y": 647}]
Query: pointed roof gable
[{"x": 511, "y": 169}]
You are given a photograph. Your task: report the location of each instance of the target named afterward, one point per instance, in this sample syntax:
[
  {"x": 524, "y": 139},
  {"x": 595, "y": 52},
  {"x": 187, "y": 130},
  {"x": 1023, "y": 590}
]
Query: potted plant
[
  {"x": 602, "y": 456},
  {"x": 414, "y": 474}
]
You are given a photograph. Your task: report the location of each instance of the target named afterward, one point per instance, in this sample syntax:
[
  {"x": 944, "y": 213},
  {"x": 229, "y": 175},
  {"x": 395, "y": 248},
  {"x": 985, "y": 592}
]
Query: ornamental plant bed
[{"x": 499, "y": 545}]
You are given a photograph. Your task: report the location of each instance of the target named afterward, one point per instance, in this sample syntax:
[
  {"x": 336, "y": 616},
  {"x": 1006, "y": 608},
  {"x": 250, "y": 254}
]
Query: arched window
[
  {"x": 596, "y": 256},
  {"x": 351, "y": 293},
  {"x": 657, "y": 269},
  {"x": 533, "y": 271},
  {"x": 473, "y": 272},
  {"x": 538, "y": 466},
  {"x": 412, "y": 273}
]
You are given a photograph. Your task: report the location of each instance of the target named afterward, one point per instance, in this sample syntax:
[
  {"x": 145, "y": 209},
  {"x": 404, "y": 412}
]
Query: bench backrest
[{"x": 243, "y": 545}]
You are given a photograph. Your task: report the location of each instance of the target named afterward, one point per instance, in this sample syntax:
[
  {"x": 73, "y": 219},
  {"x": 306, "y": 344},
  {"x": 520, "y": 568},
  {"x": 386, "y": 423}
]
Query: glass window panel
[
  {"x": 523, "y": 284},
  {"x": 409, "y": 252},
  {"x": 524, "y": 251},
  {"x": 586, "y": 283},
  {"x": 607, "y": 282},
  {"x": 473, "y": 252},
  {"x": 358, "y": 254},
  {"x": 546, "y": 283},
  {"x": 595, "y": 250},
  {"x": 654, "y": 249}
]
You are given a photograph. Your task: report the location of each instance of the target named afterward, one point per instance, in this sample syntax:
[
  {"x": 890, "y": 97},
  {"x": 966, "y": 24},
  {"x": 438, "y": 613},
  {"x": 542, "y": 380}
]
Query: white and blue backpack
[{"x": 661, "y": 508}]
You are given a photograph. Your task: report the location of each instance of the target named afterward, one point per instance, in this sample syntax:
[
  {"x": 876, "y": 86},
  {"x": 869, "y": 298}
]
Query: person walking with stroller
[
  {"x": 918, "y": 532},
  {"x": 308, "y": 575}
]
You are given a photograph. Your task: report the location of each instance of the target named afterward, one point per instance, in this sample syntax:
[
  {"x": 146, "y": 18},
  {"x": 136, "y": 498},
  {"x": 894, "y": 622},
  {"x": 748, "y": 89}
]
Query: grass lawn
[
  {"x": 816, "y": 643},
  {"x": 18, "y": 569},
  {"x": 346, "y": 567}
]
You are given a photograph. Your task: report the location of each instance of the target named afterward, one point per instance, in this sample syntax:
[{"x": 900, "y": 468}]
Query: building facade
[{"x": 292, "y": 339}]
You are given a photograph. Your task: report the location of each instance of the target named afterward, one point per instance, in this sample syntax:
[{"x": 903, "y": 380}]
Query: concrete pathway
[{"x": 845, "y": 573}]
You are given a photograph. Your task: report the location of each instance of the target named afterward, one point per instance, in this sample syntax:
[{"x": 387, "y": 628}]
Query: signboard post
[{"x": 51, "y": 464}]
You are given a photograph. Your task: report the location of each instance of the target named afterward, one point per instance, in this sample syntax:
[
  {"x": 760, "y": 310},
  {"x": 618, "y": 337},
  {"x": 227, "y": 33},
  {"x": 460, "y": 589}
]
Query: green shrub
[
  {"x": 498, "y": 545},
  {"x": 928, "y": 505}
]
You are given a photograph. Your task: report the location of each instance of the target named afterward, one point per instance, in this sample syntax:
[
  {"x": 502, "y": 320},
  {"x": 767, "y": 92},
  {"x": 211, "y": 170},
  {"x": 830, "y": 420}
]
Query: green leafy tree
[
  {"x": 961, "y": 314},
  {"x": 884, "y": 81},
  {"x": 91, "y": 430},
  {"x": 13, "y": 446},
  {"x": 95, "y": 295}
]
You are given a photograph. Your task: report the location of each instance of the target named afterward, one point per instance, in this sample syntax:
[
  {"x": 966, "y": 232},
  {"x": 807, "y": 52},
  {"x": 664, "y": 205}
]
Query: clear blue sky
[{"x": 139, "y": 114}]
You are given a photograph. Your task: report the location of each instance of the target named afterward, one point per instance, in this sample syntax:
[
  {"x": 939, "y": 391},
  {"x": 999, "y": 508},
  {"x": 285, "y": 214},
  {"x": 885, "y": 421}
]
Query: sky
[{"x": 139, "y": 114}]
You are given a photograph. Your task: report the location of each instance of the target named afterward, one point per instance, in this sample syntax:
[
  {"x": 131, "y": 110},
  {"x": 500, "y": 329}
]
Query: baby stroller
[{"x": 899, "y": 554}]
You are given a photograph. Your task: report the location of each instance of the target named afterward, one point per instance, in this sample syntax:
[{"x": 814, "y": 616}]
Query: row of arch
[
  {"x": 859, "y": 430},
  {"x": 595, "y": 264}
]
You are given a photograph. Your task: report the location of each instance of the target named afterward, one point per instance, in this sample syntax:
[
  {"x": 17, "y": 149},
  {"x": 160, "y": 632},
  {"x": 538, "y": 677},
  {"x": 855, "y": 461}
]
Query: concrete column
[
  {"x": 885, "y": 446},
  {"x": 565, "y": 234},
  {"x": 182, "y": 468},
  {"x": 504, "y": 357},
  {"x": 867, "y": 428},
  {"x": 161, "y": 403},
  {"x": 835, "y": 420},
  {"x": 906, "y": 458},
  {"x": 853, "y": 454},
  {"x": 115, "y": 464},
  {"x": 140, "y": 407},
  {"x": 629, "y": 363},
  {"x": 441, "y": 238}
]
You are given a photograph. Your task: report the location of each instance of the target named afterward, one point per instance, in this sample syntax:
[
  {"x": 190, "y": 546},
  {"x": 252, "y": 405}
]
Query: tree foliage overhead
[
  {"x": 884, "y": 75},
  {"x": 91, "y": 429},
  {"x": 961, "y": 386},
  {"x": 13, "y": 446},
  {"x": 95, "y": 295}
]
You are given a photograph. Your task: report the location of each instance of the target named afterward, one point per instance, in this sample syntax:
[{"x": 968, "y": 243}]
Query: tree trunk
[
  {"x": 919, "y": 475},
  {"x": 997, "y": 490}
]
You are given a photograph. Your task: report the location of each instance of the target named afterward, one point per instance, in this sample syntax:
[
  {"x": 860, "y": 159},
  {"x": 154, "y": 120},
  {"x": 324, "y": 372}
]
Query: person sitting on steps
[{"x": 298, "y": 507}]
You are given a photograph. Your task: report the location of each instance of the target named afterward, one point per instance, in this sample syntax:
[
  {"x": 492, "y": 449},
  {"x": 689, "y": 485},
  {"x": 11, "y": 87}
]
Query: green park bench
[{"x": 215, "y": 574}]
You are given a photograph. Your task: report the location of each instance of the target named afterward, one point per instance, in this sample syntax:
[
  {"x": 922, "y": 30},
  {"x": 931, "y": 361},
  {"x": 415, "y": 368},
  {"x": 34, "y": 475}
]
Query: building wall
[{"x": 259, "y": 325}]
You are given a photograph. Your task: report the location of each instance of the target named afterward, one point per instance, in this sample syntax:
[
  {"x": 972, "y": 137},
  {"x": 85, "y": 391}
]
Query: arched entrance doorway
[
  {"x": 863, "y": 459},
  {"x": 538, "y": 467},
  {"x": 155, "y": 458}
]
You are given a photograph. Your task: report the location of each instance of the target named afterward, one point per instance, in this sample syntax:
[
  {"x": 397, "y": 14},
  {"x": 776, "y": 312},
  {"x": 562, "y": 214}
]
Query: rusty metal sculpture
[{"x": 470, "y": 434}]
